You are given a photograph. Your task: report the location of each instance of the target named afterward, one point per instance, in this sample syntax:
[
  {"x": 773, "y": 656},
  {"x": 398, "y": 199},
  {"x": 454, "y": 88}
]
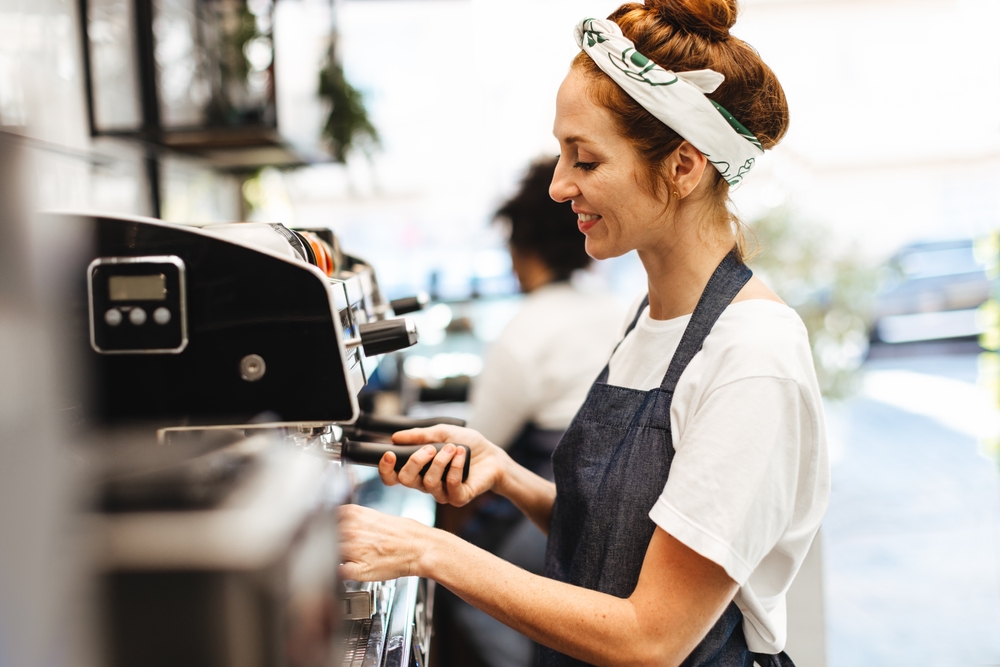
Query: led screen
[{"x": 137, "y": 288}]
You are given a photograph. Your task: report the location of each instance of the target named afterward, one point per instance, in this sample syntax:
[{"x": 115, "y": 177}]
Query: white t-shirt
[
  {"x": 541, "y": 367},
  {"x": 750, "y": 479}
]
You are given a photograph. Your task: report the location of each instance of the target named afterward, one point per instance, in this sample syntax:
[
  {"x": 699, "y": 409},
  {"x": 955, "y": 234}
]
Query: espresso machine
[{"x": 221, "y": 367}]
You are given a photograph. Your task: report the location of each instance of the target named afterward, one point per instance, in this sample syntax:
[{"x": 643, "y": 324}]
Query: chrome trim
[
  {"x": 399, "y": 634},
  {"x": 320, "y": 427},
  {"x": 376, "y": 640},
  {"x": 361, "y": 599}
]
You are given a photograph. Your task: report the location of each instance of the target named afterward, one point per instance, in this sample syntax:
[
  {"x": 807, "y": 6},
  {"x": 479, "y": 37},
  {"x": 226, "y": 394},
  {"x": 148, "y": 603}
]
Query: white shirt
[
  {"x": 541, "y": 367},
  {"x": 750, "y": 479}
]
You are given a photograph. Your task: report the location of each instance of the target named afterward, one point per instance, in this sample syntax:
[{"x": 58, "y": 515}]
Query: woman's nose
[{"x": 562, "y": 188}]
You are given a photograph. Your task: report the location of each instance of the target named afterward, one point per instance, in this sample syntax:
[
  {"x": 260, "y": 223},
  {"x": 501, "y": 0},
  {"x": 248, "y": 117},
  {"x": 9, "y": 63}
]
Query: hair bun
[{"x": 711, "y": 19}]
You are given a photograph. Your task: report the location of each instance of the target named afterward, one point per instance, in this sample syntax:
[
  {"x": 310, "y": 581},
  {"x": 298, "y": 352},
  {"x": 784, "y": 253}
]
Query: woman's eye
[{"x": 586, "y": 166}]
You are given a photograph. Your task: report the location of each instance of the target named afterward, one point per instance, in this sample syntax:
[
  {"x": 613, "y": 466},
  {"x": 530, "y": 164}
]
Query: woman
[{"x": 693, "y": 479}]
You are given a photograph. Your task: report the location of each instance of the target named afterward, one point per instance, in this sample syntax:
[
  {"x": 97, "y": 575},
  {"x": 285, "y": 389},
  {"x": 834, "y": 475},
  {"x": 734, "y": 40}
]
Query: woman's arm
[
  {"x": 678, "y": 598},
  {"x": 491, "y": 469}
]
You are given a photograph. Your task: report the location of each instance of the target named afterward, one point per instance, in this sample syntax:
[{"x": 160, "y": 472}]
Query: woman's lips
[{"x": 585, "y": 221}]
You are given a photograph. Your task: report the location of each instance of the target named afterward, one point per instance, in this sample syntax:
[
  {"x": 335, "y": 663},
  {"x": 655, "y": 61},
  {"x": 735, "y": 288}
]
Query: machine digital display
[
  {"x": 137, "y": 288},
  {"x": 127, "y": 292}
]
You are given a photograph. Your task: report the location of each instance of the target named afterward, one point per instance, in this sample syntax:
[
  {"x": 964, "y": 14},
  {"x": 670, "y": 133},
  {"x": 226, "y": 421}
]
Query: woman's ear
[{"x": 685, "y": 167}]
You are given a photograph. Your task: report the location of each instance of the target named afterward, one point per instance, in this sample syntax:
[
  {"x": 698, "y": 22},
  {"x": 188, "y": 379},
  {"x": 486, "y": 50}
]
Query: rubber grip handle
[
  {"x": 384, "y": 336},
  {"x": 410, "y": 304},
  {"x": 393, "y": 423},
  {"x": 370, "y": 453}
]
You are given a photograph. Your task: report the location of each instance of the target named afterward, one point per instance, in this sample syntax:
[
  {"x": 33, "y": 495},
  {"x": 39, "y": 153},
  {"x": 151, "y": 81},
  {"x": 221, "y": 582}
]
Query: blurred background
[{"x": 403, "y": 124}]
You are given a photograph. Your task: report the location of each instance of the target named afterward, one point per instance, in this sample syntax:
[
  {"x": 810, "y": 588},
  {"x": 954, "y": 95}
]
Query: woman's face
[{"x": 600, "y": 173}]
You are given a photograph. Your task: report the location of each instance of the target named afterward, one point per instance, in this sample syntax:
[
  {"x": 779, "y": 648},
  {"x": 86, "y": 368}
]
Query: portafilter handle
[{"x": 370, "y": 453}]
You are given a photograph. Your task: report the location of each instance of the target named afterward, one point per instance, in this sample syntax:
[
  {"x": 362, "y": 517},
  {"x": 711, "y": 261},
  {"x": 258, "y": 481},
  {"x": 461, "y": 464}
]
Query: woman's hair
[
  {"x": 543, "y": 227},
  {"x": 684, "y": 35}
]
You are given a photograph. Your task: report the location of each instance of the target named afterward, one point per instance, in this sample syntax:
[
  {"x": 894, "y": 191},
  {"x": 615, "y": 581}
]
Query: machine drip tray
[{"x": 357, "y": 643}]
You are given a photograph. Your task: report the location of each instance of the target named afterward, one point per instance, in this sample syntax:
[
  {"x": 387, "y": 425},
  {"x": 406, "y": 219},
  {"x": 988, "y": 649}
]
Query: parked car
[{"x": 931, "y": 291}]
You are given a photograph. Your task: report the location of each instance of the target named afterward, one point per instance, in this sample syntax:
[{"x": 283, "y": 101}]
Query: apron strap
[
  {"x": 728, "y": 279},
  {"x": 635, "y": 320},
  {"x": 768, "y": 660},
  {"x": 603, "y": 377}
]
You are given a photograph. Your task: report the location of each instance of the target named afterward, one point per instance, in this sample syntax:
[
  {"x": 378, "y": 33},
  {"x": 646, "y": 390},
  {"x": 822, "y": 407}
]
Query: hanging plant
[{"x": 348, "y": 126}]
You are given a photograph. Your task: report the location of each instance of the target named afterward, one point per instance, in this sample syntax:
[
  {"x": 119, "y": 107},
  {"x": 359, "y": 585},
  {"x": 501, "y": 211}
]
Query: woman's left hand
[{"x": 376, "y": 546}]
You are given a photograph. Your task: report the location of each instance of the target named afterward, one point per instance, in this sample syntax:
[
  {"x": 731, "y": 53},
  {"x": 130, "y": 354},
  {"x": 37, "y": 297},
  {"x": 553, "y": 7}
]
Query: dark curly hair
[{"x": 541, "y": 226}]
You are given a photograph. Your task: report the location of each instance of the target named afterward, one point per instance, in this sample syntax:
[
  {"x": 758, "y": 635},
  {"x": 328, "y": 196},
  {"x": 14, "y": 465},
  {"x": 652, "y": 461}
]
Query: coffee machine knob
[
  {"x": 387, "y": 335},
  {"x": 410, "y": 304}
]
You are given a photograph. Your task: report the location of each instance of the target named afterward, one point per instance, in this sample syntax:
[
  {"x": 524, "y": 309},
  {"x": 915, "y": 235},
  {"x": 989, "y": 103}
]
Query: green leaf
[{"x": 347, "y": 127}]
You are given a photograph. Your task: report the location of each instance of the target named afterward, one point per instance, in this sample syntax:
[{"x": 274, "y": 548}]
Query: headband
[{"x": 678, "y": 99}]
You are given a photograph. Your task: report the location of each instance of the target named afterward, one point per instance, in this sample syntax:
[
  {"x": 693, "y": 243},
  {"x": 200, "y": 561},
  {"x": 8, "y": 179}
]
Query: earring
[{"x": 677, "y": 195}]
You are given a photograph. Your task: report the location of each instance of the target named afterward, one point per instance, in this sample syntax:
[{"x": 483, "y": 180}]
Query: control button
[
  {"x": 113, "y": 317},
  {"x": 137, "y": 316},
  {"x": 161, "y": 315}
]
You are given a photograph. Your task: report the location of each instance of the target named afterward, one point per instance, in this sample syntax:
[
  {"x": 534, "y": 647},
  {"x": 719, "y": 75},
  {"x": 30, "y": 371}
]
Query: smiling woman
[{"x": 690, "y": 484}]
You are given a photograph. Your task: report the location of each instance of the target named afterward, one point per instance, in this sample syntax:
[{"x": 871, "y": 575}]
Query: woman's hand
[
  {"x": 488, "y": 466},
  {"x": 376, "y": 546}
]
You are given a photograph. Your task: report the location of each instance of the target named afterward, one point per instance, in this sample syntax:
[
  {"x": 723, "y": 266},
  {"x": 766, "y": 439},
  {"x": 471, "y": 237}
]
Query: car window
[{"x": 941, "y": 262}]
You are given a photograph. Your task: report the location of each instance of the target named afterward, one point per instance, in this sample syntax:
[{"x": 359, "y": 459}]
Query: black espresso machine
[{"x": 221, "y": 367}]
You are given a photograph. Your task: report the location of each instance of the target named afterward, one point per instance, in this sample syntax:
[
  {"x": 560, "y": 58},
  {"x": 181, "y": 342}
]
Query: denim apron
[
  {"x": 500, "y": 528},
  {"x": 611, "y": 467}
]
